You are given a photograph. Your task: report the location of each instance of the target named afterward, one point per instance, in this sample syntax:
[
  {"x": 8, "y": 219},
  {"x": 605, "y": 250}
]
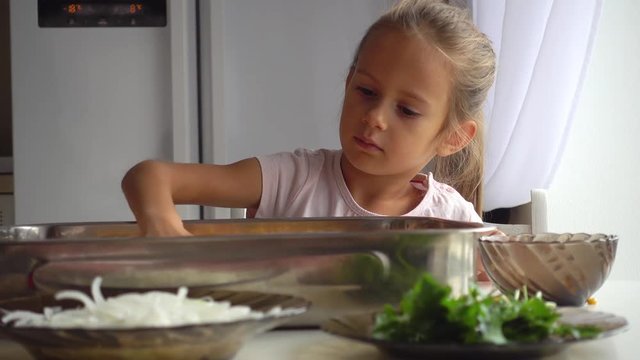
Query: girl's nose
[{"x": 374, "y": 117}]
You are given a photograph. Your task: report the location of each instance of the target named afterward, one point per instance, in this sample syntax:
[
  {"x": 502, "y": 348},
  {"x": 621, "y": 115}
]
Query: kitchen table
[{"x": 618, "y": 297}]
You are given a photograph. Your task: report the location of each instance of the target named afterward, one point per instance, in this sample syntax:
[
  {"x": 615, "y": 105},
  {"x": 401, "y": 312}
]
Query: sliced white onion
[
  {"x": 75, "y": 295},
  {"x": 95, "y": 290},
  {"x": 130, "y": 310}
]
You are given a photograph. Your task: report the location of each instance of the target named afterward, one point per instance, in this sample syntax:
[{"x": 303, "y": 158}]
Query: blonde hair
[{"x": 471, "y": 58}]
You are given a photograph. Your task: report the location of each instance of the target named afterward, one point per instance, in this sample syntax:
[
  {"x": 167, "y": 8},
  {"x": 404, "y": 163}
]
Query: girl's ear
[{"x": 456, "y": 140}]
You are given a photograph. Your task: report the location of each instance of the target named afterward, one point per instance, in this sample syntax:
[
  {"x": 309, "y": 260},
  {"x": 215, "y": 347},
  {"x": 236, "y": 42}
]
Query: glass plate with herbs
[{"x": 431, "y": 322}]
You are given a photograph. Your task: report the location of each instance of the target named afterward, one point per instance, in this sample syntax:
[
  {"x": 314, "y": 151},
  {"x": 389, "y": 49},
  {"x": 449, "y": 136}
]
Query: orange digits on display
[
  {"x": 134, "y": 8},
  {"x": 73, "y": 8}
]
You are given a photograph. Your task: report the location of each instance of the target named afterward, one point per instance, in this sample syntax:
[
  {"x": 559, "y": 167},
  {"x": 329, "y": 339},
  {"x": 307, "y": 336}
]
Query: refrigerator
[{"x": 217, "y": 82}]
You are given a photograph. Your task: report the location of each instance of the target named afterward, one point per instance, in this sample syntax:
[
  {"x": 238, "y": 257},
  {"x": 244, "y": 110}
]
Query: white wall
[
  {"x": 596, "y": 186},
  {"x": 286, "y": 62}
]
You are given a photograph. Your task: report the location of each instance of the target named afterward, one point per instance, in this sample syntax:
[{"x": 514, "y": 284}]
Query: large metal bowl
[
  {"x": 215, "y": 341},
  {"x": 340, "y": 264}
]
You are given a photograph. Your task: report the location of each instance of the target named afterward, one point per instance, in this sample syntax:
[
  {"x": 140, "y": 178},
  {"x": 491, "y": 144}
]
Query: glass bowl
[
  {"x": 566, "y": 268},
  {"x": 202, "y": 341}
]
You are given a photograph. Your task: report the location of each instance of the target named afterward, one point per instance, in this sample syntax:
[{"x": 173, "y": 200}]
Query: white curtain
[{"x": 543, "y": 49}]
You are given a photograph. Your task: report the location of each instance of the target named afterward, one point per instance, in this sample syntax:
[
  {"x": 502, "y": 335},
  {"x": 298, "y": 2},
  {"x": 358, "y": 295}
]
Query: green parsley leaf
[{"x": 428, "y": 313}]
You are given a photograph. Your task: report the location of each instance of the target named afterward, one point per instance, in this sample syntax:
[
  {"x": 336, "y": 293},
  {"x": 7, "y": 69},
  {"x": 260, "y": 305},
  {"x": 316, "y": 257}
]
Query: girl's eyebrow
[
  {"x": 406, "y": 93},
  {"x": 415, "y": 97},
  {"x": 365, "y": 73}
]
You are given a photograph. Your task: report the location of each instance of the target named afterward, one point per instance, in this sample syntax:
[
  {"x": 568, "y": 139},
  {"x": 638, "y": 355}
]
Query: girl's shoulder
[
  {"x": 432, "y": 187},
  {"x": 316, "y": 154},
  {"x": 303, "y": 154},
  {"x": 442, "y": 200},
  {"x": 298, "y": 166}
]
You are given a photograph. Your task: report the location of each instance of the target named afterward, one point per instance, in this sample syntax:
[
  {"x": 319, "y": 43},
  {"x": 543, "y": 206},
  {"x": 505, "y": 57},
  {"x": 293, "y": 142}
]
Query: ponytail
[{"x": 464, "y": 171}]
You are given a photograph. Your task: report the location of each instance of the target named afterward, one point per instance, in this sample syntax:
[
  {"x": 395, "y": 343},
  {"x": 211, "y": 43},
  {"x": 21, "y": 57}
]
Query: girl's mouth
[{"x": 367, "y": 144}]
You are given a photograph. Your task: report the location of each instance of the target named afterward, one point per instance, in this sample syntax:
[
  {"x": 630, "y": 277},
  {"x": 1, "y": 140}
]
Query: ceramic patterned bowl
[
  {"x": 216, "y": 341},
  {"x": 566, "y": 268}
]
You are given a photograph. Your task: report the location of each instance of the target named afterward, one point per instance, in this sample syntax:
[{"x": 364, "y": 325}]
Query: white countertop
[{"x": 617, "y": 297}]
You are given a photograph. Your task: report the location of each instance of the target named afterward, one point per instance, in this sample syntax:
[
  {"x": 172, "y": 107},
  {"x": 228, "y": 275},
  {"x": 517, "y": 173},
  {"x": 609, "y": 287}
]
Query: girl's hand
[
  {"x": 167, "y": 223},
  {"x": 165, "y": 229},
  {"x": 162, "y": 223}
]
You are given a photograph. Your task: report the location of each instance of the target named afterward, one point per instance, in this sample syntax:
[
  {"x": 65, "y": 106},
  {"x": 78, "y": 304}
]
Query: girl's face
[{"x": 396, "y": 102}]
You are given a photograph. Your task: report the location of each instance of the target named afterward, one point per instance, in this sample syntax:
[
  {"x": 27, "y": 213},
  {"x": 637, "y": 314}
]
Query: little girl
[{"x": 414, "y": 92}]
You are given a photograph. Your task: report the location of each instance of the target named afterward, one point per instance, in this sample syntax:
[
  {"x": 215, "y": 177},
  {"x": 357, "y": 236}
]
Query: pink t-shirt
[{"x": 309, "y": 183}]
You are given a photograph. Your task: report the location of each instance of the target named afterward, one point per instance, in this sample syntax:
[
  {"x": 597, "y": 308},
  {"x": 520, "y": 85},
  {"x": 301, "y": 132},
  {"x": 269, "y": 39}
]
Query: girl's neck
[{"x": 381, "y": 194}]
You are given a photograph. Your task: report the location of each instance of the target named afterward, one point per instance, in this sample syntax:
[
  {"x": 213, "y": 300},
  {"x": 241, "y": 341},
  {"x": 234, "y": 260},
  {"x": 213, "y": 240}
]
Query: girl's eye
[
  {"x": 366, "y": 92},
  {"x": 407, "y": 111}
]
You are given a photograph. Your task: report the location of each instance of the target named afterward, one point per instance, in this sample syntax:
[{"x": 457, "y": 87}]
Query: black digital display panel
[{"x": 102, "y": 13}]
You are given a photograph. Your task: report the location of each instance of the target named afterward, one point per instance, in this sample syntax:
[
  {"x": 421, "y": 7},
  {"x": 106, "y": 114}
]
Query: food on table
[
  {"x": 133, "y": 310},
  {"x": 428, "y": 313}
]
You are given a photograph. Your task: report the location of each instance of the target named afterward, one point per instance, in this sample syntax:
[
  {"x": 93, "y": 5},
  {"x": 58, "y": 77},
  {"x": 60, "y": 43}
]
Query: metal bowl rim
[{"x": 524, "y": 239}]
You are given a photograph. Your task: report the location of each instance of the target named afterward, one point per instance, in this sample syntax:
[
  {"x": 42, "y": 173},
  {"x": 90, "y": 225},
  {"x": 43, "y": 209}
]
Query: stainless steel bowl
[
  {"x": 206, "y": 341},
  {"x": 565, "y": 268},
  {"x": 340, "y": 264}
]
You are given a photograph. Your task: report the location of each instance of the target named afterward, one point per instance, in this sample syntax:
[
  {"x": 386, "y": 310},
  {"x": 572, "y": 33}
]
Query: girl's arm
[{"x": 152, "y": 189}]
